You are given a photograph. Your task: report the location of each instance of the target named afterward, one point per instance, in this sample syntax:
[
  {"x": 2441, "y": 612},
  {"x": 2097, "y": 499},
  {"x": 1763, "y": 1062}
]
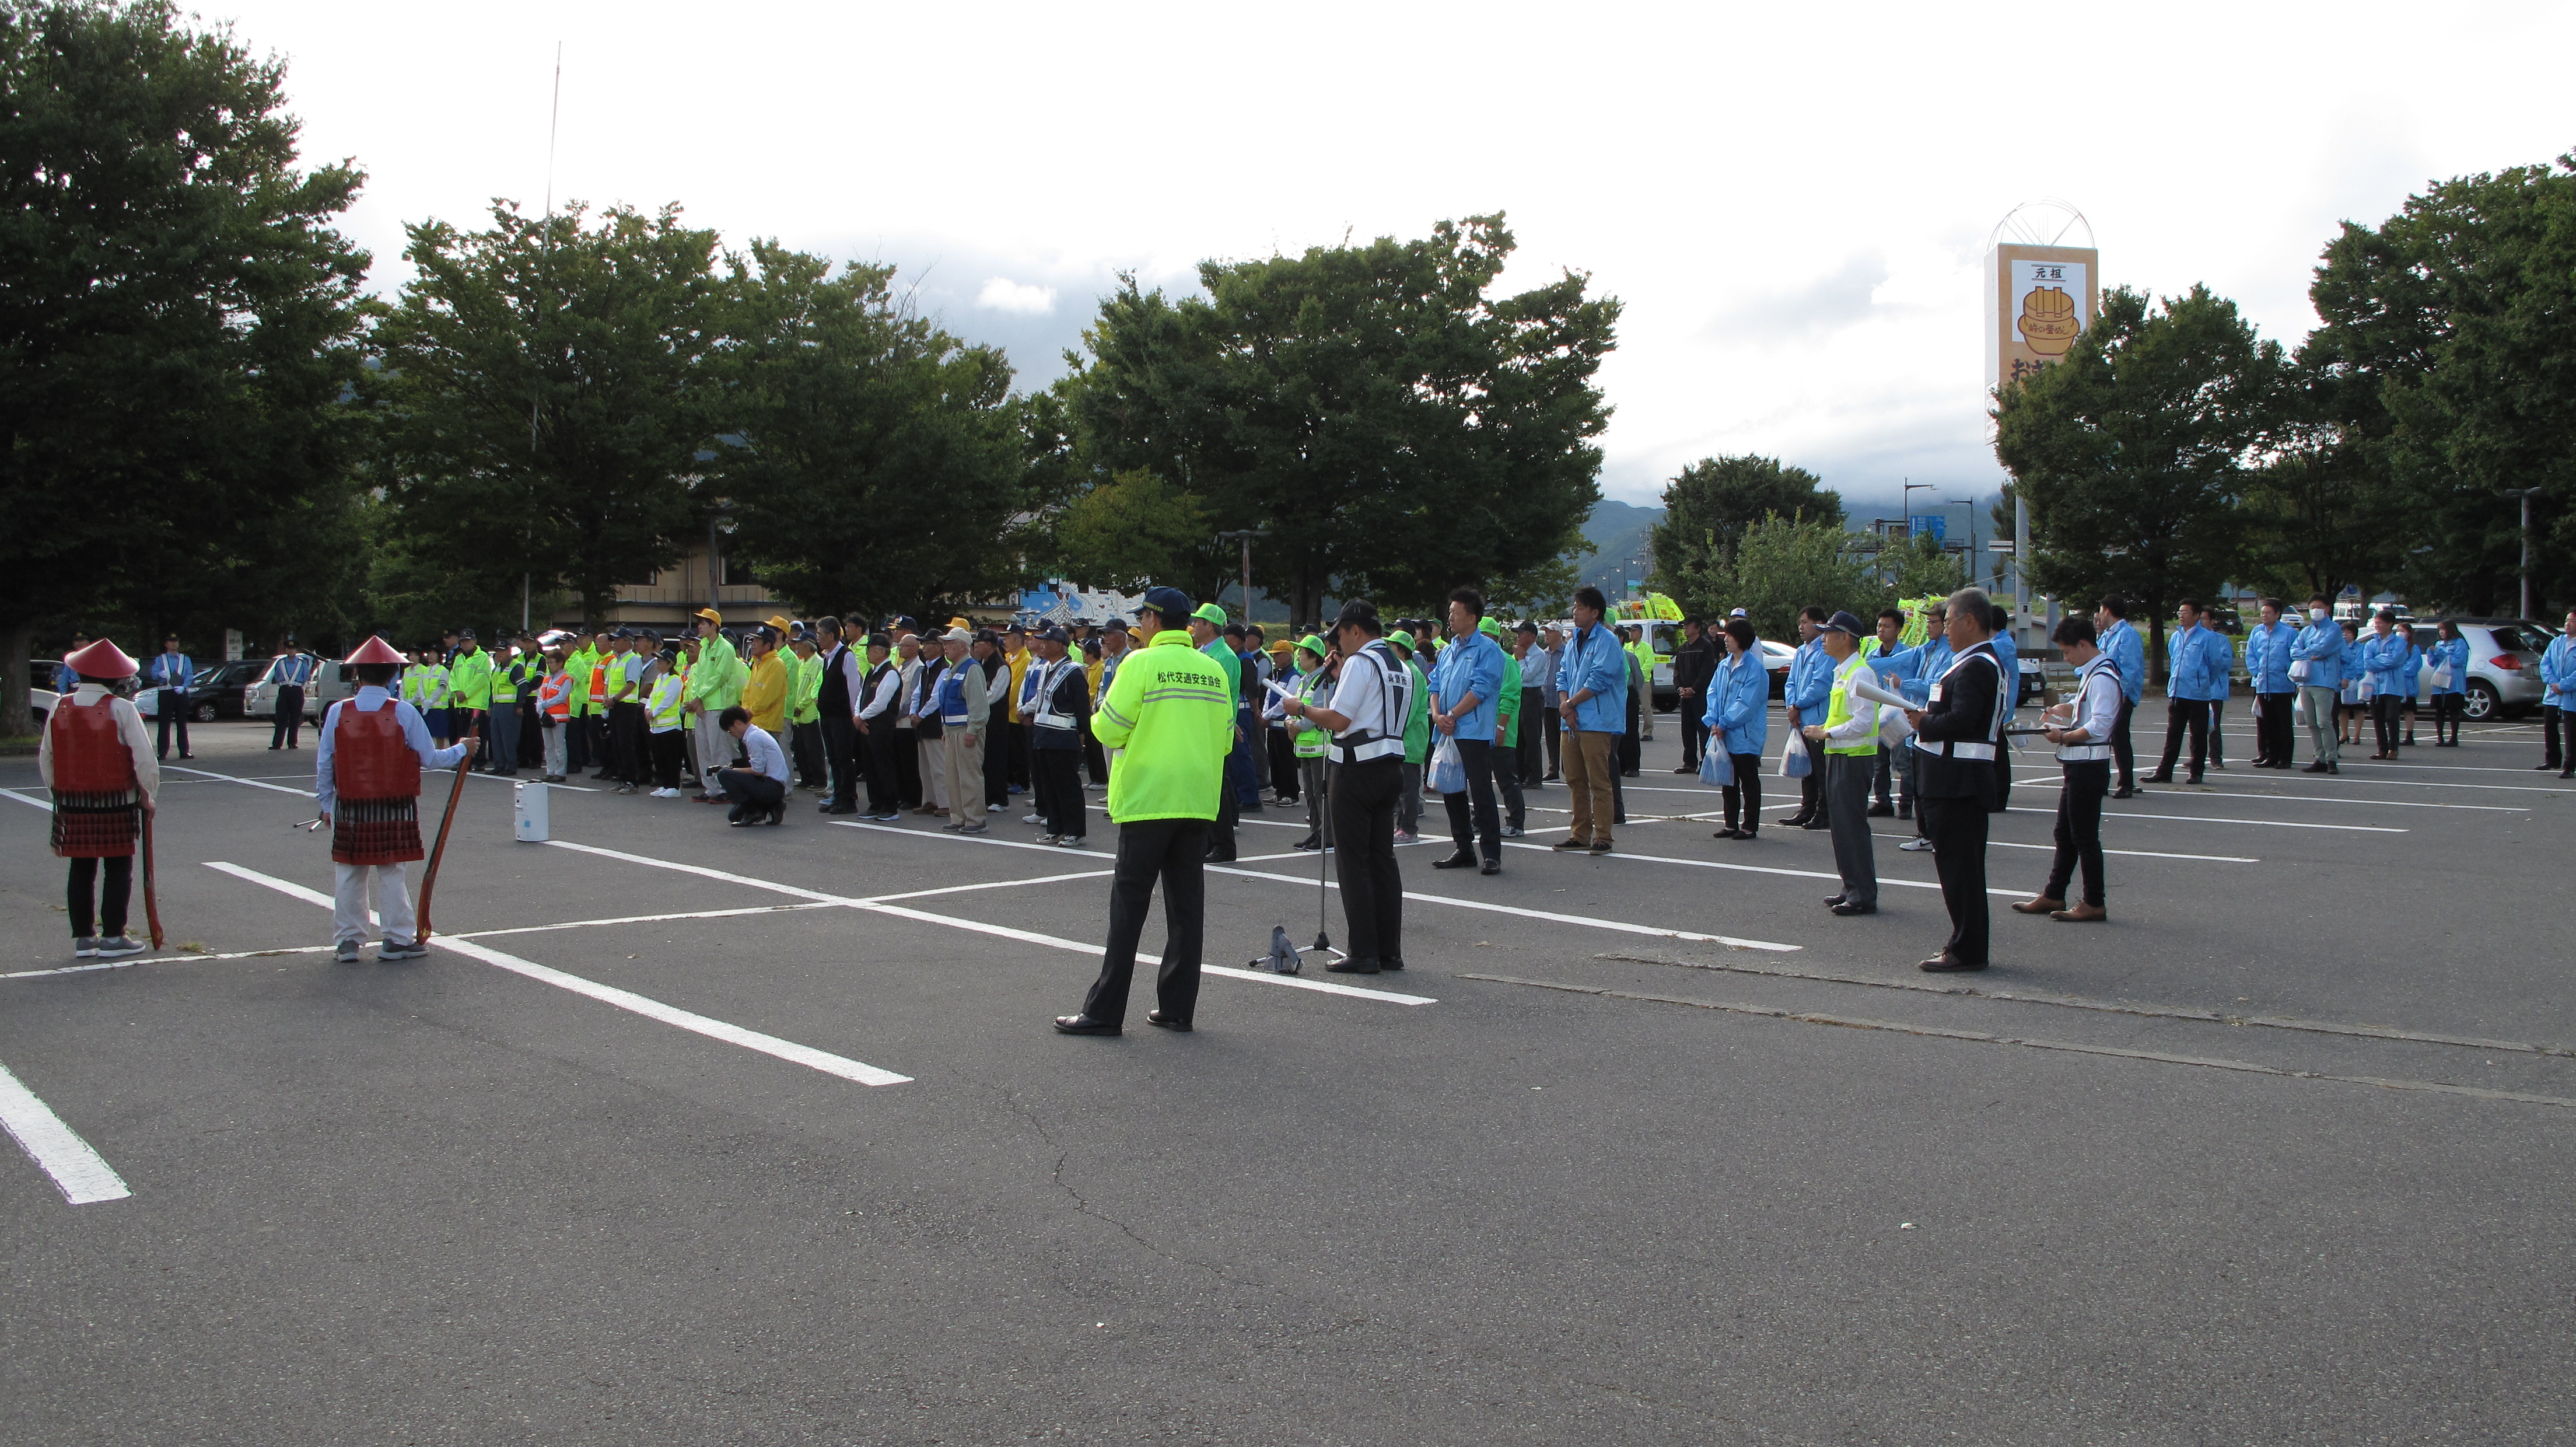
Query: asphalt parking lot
[{"x": 698, "y": 1135}]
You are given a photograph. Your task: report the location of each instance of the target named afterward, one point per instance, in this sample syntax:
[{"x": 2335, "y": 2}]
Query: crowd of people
[{"x": 1188, "y": 720}]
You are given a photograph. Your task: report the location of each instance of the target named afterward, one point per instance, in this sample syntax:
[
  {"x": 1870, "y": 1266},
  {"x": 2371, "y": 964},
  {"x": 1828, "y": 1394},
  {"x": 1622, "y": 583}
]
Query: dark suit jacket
[
  {"x": 1694, "y": 664},
  {"x": 1965, "y": 713}
]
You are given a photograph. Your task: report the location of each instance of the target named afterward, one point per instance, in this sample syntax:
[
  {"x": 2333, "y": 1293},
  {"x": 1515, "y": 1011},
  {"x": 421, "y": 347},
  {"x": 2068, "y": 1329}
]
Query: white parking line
[
  {"x": 79, "y": 1172},
  {"x": 650, "y": 1008},
  {"x": 45, "y": 804},
  {"x": 2214, "y": 819},
  {"x": 2123, "y": 853},
  {"x": 1618, "y": 926},
  {"x": 884, "y": 904},
  {"x": 236, "y": 779}
]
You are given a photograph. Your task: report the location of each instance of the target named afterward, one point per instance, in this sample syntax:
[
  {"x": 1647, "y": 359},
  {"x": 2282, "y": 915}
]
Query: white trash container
[{"x": 531, "y": 803}]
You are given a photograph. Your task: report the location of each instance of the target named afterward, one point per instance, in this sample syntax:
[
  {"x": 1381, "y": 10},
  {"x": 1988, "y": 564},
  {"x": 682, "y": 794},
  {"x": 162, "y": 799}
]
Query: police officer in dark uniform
[{"x": 1958, "y": 742}]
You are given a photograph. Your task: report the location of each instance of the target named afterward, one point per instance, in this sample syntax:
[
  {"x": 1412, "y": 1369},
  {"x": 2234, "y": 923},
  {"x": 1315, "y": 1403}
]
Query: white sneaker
[
  {"x": 1916, "y": 846},
  {"x": 666, "y": 793},
  {"x": 1070, "y": 841},
  {"x": 1033, "y": 818},
  {"x": 992, "y": 808}
]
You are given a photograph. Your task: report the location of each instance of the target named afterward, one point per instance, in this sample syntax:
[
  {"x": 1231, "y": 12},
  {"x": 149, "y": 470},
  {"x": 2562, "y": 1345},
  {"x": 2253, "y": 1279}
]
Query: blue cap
[
  {"x": 1172, "y": 603},
  {"x": 1844, "y": 623}
]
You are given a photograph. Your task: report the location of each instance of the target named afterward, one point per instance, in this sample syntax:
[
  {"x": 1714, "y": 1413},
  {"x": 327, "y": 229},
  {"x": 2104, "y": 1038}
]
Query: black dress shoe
[
  {"x": 1833, "y": 899},
  {"x": 2158, "y": 777},
  {"x": 1882, "y": 811},
  {"x": 1817, "y": 824},
  {"x": 2318, "y": 767},
  {"x": 1157, "y": 1017},
  {"x": 1352, "y": 967},
  {"x": 1213, "y": 857},
  {"x": 1794, "y": 821},
  {"x": 1490, "y": 866},
  {"x": 1849, "y": 908},
  {"x": 1084, "y": 1025},
  {"x": 1454, "y": 861},
  {"x": 1391, "y": 966},
  {"x": 1946, "y": 963},
  {"x": 2125, "y": 791}
]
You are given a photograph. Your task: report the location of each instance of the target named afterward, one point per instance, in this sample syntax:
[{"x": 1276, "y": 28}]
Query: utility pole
[
  {"x": 1970, "y": 504},
  {"x": 1245, "y": 537},
  {"x": 2526, "y": 494},
  {"x": 2021, "y": 561}
]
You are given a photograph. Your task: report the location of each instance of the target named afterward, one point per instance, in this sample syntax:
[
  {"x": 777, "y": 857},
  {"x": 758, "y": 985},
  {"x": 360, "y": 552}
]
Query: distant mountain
[{"x": 1619, "y": 530}]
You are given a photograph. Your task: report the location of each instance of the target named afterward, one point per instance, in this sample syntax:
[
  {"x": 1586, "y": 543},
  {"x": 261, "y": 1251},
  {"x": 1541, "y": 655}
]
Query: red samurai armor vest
[
  {"x": 97, "y": 800},
  {"x": 376, "y": 818}
]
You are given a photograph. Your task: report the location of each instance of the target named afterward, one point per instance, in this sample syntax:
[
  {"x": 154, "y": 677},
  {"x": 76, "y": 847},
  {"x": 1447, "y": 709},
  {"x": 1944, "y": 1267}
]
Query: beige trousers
[{"x": 964, "y": 771}]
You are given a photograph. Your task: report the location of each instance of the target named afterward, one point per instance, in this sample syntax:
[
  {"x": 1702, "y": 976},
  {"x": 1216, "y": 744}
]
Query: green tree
[
  {"x": 1398, "y": 429},
  {"x": 546, "y": 400},
  {"x": 1783, "y": 565},
  {"x": 2133, "y": 450},
  {"x": 177, "y": 321},
  {"x": 1924, "y": 569},
  {"x": 875, "y": 462},
  {"x": 1129, "y": 531},
  {"x": 1710, "y": 504},
  {"x": 2442, "y": 367}
]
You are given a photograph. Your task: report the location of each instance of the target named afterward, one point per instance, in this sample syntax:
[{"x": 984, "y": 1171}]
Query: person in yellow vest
[
  {"x": 629, "y": 746},
  {"x": 805, "y": 708},
  {"x": 513, "y": 676},
  {"x": 1309, "y": 743},
  {"x": 429, "y": 678},
  {"x": 1849, "y": 737},
  {"x": 578, "y": 658},
  {"x": 594, "y": 723},
  {"x": 710, "y": 691},
  {"x": 764, "y": 693},
  {"x": 663, "y": 681},
  {"x": 469, "y": 681}
]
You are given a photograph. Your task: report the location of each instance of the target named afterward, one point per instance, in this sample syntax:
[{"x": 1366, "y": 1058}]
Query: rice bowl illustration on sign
[
  {"x": 2048, "y": 320},
  {"x": 2039, "y": 300}
]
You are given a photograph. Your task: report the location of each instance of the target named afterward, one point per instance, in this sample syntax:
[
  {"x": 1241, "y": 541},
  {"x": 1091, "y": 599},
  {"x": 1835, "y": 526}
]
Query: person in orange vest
[
  {"x": 97, "y": 760},
  {"x": 554, "y": 709},
  {"x": 367, "y": 777}
]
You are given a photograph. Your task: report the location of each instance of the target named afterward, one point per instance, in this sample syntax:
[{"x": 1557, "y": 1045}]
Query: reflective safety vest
[
  {"x": 554, "y": 695},
  {"x": 1310, "y": 740},
  {"x": 506, "y": 681},
  {"x": 662, "y": 704},
  {"x": 431, "y": 680},
  {"x": 1838, "y": 707},
  {"x": 599, "y": 681}
]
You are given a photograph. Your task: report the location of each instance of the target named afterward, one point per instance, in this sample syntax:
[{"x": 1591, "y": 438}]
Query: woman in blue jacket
[
  {"x": 1739, "y": 718},
  {"x": 2389, "y": 654},
  {"x": 2410, "y": 682},
  {"x": 2449, "y": 657},
  {"x": 2356, "y": 685}
]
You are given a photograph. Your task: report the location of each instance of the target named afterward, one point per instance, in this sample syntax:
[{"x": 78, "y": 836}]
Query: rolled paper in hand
[{"x": 1869, "y": 690}]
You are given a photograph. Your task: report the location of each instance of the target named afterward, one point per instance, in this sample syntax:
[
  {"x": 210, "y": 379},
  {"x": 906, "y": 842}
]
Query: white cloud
[{"x": 1002, "y": 294}]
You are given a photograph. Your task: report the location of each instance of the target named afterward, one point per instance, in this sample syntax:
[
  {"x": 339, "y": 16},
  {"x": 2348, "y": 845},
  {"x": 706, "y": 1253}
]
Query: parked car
[
  {"x": 331, "y": 683},
  {"x": 220, "y": 689},
  {"x": 2504, "y": 665}
]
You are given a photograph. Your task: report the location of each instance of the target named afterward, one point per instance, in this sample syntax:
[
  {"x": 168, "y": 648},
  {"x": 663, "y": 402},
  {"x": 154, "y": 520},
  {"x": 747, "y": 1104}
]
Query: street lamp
[
  {"x": 1970, "y": 504},
  {"x": 2526, "y": 494},
  {"x": 1905, "y": 505}
]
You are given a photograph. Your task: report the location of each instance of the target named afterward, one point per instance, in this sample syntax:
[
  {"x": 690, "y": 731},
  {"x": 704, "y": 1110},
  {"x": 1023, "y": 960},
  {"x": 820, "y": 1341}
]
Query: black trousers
[
  {"x": 1475, "y": 803},
  {"x": 2217, "y": 739},
  {"x": 1283, "y": 766},
  {"x": 110, "y": 909},
  {"x": 532, "y": 738},
  {"x": 2079, "y": 829},
  {"x": 1552, "y": 724},
  {"x": 1056, "y": 778},
  {"x": 2446, "y": 718},
  {"x": 1632, "y": 744},
  {"x": 1507, "y": 784},
  {"x": 1957, "y": 829},
  {"x": 290, "y": 717},
  {"x": 1364, "y": 799},
  {"x": 2273, "y": 741},
  {"x": 1532, "y": 762},
  {"x": 997, "y": 763},
  {"x": 1694, "y": 730},
  {"x": 2122, "y": 753},
  {"x": 626, "y": 746},
  {"x": 2552, "y": 721},
  {"x": 663, "y": 750},
  {"x": 753, "y": 795},
  {"x": 805, "y": 746},
  {"x": 2186, "y": 716},
  {"x": 1173, "y": 851},
  {"x": 907, "y": 769},
  {"x": 1747, "y": 788},
  {"x": 882, "y": 752},
  {"x": 1095, "y": 759},
  {"x": 1021, "y": 771},
  {"x": 172, "y": 709},
  {"x": 841, "y": 762},
  {"x": 576, "y": 731},
  {"x": 2385, "y": 711}
]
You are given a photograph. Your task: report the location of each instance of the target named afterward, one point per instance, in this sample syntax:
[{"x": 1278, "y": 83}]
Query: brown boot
[
  {"x": 2041, "y": 905},
  {"x": 2081, "y": 914}
]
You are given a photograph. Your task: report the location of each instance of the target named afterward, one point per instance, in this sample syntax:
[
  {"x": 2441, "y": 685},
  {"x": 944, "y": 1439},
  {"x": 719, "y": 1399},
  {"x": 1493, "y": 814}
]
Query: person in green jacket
[
  {"x": 1417, "y": 745},
  {"x": 1170, "y": 711},
  {"x": 805, "y": 709},
  {"x": 1507, "y": 734},
  {"x": 578, "y": 665},
  {"x": 1311, "y": 742},
  {"x": 713, "y": 688}
]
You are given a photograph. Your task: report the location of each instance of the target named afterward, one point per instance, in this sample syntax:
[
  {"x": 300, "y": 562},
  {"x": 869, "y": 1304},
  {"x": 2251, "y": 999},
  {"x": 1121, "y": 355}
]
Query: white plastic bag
[
  {"x": 1794, "y": 760},
  {"x": 1448, "y": 776}
]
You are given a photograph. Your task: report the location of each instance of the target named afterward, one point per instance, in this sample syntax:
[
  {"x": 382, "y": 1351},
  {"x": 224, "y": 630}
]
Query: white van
[{"x": 331, "y": 683}]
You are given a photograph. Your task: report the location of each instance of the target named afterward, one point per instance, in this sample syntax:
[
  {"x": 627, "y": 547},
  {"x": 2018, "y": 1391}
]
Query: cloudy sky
[{"x": 1791, "y": 200}]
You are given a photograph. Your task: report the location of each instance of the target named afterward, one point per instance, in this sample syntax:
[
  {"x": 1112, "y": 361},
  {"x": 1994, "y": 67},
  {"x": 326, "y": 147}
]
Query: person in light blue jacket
[
  {"x": 2388, "y": 656},
  {"x": 1739, "y": 719},
  {"x": 2410, "y": 679},
  {"x": 1811, "y": 684},
  {"x": 1913, "y": 671},
  {"x": 1592, "y": 679},
  {"x": 2316, "y": 666},
  {"x": 2128, "y": 652},
  {"x": 2558, "y": 705},
  {"x": 2356, "y": 682},
  {"x": 2195, "y": 676},
  {"x": 2449, "y": 685},
  {"x": 2221, "y": 663},
  {"x": 2267, "y": 672}
]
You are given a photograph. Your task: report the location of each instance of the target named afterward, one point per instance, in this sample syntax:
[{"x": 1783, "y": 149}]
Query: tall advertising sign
[{"x": 2037, "y": 299}]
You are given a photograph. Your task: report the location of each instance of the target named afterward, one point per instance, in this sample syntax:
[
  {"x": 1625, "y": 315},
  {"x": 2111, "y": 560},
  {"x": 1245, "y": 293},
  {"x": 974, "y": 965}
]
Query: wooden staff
[
  {"x": 429, "y": 876},
  {"x": 151, "y": 900}
]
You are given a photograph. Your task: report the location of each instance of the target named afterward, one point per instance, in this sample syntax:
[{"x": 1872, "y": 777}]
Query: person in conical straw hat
[
  {"x": 367, "y": 776},
  {"x": 97, "y": 760}
]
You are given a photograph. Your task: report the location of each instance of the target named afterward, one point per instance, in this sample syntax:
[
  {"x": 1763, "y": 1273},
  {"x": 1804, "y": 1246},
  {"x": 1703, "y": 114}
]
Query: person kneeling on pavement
[{"x": 759, "y": 793}]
